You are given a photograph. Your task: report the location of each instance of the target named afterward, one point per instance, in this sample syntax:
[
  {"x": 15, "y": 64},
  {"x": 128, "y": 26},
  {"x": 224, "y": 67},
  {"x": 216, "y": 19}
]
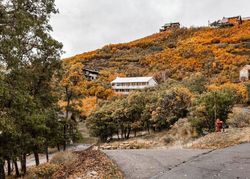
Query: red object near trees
[{"x": 218, "y": 125}]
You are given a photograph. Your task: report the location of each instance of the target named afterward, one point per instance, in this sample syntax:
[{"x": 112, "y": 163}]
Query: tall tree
[{"x": 30, "y": 62}]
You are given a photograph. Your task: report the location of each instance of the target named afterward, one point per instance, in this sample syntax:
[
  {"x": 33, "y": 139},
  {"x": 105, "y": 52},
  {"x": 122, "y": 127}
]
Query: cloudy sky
[{"x": 85, "y": 25}]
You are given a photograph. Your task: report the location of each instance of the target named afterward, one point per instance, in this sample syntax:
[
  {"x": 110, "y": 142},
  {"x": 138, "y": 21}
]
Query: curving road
[{"x": 229, "y": 163}]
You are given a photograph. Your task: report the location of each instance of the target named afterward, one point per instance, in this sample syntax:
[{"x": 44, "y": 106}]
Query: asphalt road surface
[
  {"x": 229, "y": 163},
  {"x": 144, "y": 164}
]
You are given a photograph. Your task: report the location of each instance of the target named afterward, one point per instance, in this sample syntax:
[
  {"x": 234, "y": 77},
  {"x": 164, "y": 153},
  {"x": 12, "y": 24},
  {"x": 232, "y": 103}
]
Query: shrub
[
  {"x": 172, "y": 105},
  {"x": 239, "y": 118},
  {"x": 209, "y": 107},
  {"x": 196, "y": 83},
  {"x": 168, "y": 139},
  {"x": 43, "y": 171},
  {"x": 64, "y": 158}
]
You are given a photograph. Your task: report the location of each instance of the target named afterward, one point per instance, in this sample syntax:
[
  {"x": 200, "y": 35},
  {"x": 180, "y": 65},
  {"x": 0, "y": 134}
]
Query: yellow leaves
[
  {"x": 88, "y": 105},
  {"x": 239, "y": 88},
  {"x": 215, "y": 52},
  {"x": 80, "y": 57}
]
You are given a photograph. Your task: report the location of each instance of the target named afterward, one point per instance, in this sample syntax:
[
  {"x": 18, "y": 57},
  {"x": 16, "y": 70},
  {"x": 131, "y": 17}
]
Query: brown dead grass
[
  {"x": 89, "y": 164},
  {"x": 230, "y": 137},
  {"x": 180, "y": 134}
]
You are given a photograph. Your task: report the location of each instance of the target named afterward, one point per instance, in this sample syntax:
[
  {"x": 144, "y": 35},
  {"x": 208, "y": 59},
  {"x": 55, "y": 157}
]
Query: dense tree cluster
[
  {"x": 159, "y": 108},
  {"x": 139, "y": 111},
  {"x": 29, "y": 74}
]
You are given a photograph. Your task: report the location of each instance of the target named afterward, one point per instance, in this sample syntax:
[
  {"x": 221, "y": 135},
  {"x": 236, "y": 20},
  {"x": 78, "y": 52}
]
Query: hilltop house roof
[
  {"x": 91, "y": 70},
  {"x": 132, "y": 79},
  {"x": 171, "y": 24}
]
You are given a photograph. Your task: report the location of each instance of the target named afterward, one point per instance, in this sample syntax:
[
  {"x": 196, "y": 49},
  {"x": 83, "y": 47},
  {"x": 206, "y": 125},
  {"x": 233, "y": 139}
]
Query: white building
[
  {"x": 125, "y": 85},
  {"x": 245, "y": 73}
]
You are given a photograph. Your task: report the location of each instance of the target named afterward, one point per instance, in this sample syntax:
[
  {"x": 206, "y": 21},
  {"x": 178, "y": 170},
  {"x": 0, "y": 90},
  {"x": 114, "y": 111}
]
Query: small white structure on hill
[
  {"x": 245, "y": 73},
  {"x": 126, "y": 85}
]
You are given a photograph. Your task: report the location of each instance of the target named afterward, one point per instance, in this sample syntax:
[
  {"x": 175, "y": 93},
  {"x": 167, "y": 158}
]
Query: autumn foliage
[{"x": 216, "y": 53}]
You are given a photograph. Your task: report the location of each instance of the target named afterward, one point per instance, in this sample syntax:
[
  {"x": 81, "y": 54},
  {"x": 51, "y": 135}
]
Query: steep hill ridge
[{"x": 216, "y": 52}]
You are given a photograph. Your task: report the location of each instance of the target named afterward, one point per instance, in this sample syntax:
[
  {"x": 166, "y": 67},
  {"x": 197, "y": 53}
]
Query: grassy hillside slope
[{"x": 217, "y": 53}]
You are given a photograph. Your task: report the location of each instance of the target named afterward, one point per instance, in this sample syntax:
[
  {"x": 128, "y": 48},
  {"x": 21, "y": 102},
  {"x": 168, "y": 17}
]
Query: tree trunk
[
  {"x": 64, "y": 134},
  {"x": 135, "y": 133},
  {"x": 122, "y": 134},
  {"x": 9, "y": 166},
  {"x": 58, "y": 147},
  {"x": 148, "y": 127},
  {"x": 16, "y": 169},
  {"x": 118, "y": 135},
  {"x": 125, "y": 133},
  {"x": 2, "y": 173},
  {"x": 47, "y": 154},
  {"x": 129, "y": 130},
  {"x": 69, "y": 95},
  {"x": 23, "y": 164},
  {"x": 36, "y": 155}
]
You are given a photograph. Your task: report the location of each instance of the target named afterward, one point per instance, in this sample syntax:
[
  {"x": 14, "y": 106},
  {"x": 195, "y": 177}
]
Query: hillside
[
  {"x": 218, "y": 53},
  {"x": 179, "y": 52}
]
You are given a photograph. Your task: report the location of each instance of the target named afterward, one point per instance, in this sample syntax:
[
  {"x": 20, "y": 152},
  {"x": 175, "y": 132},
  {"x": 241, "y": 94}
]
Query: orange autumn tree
[
  {"x": 73, "y": 84},
  {"x": 239, "y": 89},
  {"x": 73, "y": 88}
]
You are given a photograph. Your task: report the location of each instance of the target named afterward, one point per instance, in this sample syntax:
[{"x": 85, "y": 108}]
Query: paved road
[
  {"x": 145, "y": 164},
  {"x": 229, "y": 163}
]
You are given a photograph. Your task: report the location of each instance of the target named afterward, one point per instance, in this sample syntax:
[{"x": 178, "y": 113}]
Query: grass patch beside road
[{"x": 230, "y": 137}]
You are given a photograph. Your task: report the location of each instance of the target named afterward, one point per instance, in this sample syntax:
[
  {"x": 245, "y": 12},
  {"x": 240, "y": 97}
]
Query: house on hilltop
[
  {"x": 245, "y": 73},
  {"x": 128, "y": 84},
  {"x": 227, "y": 22},
  {"x": 91, "y": 74},
  {"x": 175, "y": 25}
]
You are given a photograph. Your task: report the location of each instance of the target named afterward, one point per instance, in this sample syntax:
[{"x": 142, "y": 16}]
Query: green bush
[
  {"x": 210, "y": 106},
  {"x": 150, "y": 109}
]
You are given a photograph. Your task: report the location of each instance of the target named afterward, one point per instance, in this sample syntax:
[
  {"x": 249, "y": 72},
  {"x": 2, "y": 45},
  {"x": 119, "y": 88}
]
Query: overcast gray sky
[{"x": 84, "y": 25}]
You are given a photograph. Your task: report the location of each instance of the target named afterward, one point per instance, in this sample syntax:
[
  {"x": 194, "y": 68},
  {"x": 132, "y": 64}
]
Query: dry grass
[
  {"x": 67, "y": 159},
  {"x": 86, "y": 138},
  {"x": 87, "y": 164},
  {"x": 90, "y": 164},
  {"x": 180, "y": 134},
  {"x": 230, "y": 137},
  {"x": 42, "y": 171},
  {"x": 240, "y": 117}
]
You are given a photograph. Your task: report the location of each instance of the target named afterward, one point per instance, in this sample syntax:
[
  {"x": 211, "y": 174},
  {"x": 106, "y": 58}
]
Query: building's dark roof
[{"x": 91, "y": 70}]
